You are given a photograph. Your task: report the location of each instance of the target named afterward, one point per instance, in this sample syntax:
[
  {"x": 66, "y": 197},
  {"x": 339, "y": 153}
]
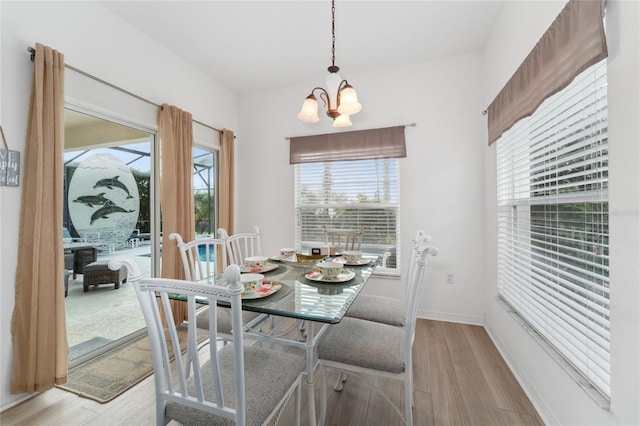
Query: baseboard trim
[
  {"x": 15, "y": 401},
  {"x": 451, "y": 317}
]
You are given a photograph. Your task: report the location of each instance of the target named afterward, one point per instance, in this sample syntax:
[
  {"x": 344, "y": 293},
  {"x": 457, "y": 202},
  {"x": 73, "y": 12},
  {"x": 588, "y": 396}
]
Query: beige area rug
[{"x": 105, "y": 377}]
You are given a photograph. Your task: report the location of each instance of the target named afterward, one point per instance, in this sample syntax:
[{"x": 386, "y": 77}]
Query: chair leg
[
  {"x": 323, "y": 396},
  {"x": 302, "y": 332},
  {"x": 342, "y": 377},
  {"x": 187, "y": 368},
  {"x": 298, "y": 399},
  {"x": 408, "y": 399}
]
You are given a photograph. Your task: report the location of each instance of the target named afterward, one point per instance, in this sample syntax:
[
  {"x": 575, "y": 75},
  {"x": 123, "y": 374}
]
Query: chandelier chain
[{"x": 333, "y": 32}]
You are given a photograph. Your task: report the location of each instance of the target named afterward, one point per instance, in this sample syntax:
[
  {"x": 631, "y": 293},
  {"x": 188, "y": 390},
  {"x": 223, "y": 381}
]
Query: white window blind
[
  {"x": 553, "y": 236},
  {"x": 348, "y": 195}
]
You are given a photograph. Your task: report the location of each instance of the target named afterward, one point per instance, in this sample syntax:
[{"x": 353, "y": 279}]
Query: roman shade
[
  {"x": 387, "y": 142},
  {"x": 574, "y": 41}
]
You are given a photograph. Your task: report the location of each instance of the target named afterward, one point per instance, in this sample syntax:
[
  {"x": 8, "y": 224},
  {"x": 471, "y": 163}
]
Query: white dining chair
[
  {"x": 238, "y": 384},
  {"x": 345, "y": 239},
  {"x": 387, "y": 310},
  {"x": 205, "y": 258},
  {"x": 242, "y": 245},
  {"x": 354, "y": 345}
]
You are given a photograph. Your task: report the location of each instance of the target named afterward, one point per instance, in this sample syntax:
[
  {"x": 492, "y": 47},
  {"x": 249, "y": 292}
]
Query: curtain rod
[
  {"x": 403, "y": 125},
  {"x": 32, "y": 51}
]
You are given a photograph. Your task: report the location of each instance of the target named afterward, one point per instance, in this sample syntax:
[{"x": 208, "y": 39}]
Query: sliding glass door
[{"x": 108, "y": 207}]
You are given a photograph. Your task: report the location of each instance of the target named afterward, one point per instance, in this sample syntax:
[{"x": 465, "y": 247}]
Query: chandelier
[{"x": 339, "y": 99}]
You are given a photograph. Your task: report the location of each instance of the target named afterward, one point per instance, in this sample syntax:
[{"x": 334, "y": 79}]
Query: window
[
  {"x": 347, "y": 195},
  {"x": 205, "y": 178},
  {"x": 553, "y": 244}
]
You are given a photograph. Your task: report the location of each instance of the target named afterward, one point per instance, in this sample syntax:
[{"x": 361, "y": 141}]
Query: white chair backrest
[
  {"x": 171, "y": 384},
  {"x": 346, "y": 239},
  {"x": 202, "y": 258},
  {"x": 241, "y": 245},
  {"x": 418, "y": 239},
  {"x": 418, "y": 262}
]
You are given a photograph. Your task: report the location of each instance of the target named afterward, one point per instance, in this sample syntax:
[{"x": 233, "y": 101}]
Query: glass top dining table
[{"x": 304, "y": 296}]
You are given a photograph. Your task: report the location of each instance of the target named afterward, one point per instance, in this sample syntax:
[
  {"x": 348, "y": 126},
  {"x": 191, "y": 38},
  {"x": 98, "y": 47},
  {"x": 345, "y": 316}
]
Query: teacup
[
  {"x": 287, "y": 254},
  {"x": 256, "y": 262},
  {"x": 352, "y": 256},
  {"x": 330, "y": 269},
  {"x": 251, "y": 282}
]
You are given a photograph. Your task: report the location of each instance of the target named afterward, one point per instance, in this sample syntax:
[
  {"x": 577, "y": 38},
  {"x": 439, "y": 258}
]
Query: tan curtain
[
  {"x": 573, "y": 43},
  {"x": 175, "y": 131},
  {"x": 38, "y": 328},
  {"x": 226, "y": 186},
  {"x": 387, "y": 142}
]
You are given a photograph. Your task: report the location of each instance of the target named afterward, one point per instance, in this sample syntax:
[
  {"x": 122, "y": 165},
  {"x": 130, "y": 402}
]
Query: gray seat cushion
[
  {"x": 224, "y": 319},
  {"x": 268, "y": 376},
  {"x": 379, "y": 309},
  {"x": 364, "y": 343}
]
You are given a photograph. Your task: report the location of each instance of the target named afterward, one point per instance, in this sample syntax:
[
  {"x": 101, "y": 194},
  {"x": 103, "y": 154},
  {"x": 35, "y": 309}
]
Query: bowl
[
  {"x": 256, "y": 262},
  {"x": 251, "y": 282},
  {"x": 330, "y": 269}
]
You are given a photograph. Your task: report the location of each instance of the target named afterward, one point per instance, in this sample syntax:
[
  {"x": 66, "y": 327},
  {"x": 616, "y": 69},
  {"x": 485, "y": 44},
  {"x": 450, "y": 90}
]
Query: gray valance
[
  {"x": 573, "y": 42},
  {"x": 359, "y": 145}
]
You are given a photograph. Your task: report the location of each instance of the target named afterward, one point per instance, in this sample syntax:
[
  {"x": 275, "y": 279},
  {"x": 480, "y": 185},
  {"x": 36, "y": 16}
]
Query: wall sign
[{"x": 9, "y": 164}]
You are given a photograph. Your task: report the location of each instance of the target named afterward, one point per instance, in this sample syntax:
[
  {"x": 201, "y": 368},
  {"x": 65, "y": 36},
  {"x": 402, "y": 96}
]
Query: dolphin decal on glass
[
  {"x": 111, "y": 183},
  {"x": 90, "y": 200},
  {"x": 104, "y": 212}
]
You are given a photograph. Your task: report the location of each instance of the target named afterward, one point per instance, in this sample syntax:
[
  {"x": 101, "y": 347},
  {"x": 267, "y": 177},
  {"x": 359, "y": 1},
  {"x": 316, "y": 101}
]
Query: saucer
[
  {"x": 267, "y": 268},
  {"x": 342, "y": 277},
  {"x": 359, "y": 262},
  {"x": 266, "y": 289}
]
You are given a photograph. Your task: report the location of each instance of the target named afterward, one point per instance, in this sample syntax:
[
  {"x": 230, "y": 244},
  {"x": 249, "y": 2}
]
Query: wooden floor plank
[
  {"x": 449, "y": 360},
  {"x": 348, "y": 406},
  {"x": 473, "y": 386},
  {"x": 503, "y": 385},
  {"x": 423, "y": 409},
  {"x": 448, "y": 404},
  {"x": 422, "y": 378}
]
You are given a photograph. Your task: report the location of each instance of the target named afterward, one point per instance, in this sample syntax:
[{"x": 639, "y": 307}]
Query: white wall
[
  {"x": 96, "y": 41},
  {"x": 441, "y": 177},
  {"x": 558, "y": 398}
]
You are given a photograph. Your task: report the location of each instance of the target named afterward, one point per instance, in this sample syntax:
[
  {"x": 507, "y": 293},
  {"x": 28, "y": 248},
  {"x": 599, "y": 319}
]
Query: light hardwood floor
[{"x": 460, "y": 379}]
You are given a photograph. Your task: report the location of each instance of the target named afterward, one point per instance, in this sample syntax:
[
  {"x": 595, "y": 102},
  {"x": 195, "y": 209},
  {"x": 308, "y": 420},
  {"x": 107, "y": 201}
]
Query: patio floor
[{"x": 102, "y": 311}]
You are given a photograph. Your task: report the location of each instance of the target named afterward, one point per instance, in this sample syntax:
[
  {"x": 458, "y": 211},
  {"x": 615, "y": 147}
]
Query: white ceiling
[{"x": 253, "y": 45}]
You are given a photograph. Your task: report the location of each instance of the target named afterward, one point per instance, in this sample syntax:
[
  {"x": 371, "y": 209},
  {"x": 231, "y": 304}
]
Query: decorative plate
[
  {"x": 267, "y": 268},
  {"x": 267, "y": 289},
  {"x": 359, "y": 262},
  {"x": 342, "y": 277}
]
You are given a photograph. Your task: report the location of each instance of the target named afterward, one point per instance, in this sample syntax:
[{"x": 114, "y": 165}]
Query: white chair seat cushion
[
  {"x": 224, "y": 319},
  {"x": 268, "y": 376},
  {"x": 364, "y": 343},
  {"x": 379, "y": 309}
]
